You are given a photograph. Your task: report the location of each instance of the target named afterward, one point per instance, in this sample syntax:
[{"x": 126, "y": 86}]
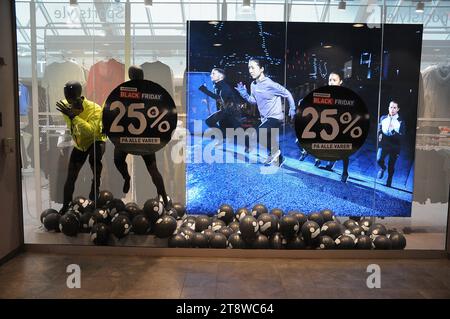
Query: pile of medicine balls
[
  {"x": 113, "y": 217},
  {"x": 255, "y": 229}
]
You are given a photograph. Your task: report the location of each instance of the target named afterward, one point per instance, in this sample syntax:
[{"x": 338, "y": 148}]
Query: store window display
[{"x": 103, "y": 66}]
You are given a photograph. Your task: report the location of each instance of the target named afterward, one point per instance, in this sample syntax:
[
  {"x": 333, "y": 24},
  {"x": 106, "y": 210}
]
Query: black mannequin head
[
  {"x": 135, "y": 73},
  {"x": 72, "y": 91}
]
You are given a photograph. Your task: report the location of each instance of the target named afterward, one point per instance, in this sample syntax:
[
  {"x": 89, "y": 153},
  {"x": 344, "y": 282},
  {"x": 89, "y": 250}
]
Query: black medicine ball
[
  {"x": 363, "y": 242},
  {"x": 328, "y": 215},
  {"x": 332, "y": 229},
  {"x": 208, "y": 234},
  {"x": 217, "y": 224},
  {"x": 325, "y": 242},
  {"x": 199, "y": 240},
  {"x": 344, "y": 242},
  {"x": 235, "y": 241},
  {"x": 177, "y": 241},
  {"x": 120, "y": 226},
  {"x": 140, "y": 225},
  {"x": 115, "y": 205},
  {"x": 316, "y": 217},
  {"x": 377, "y": 230},
  {"x": 202, "y": 222},
  {"x": 365, "y": 223},
  {"x": 276, "y": 241},
  {"x": 132, "y": 206},
  {"x": 260, "y": 242},
  {"x": 382, "y": 242},
  {"x": 310, "y": 231},
  {"x": 234, "y": 226},
  {"x": 85, "y": 221},
  {"x": 296, "y": 242},
  {"x": 133, "y": 210},
  {"x": 51, "y": 221},
  {"x": 241, "y": 213},
  {"x": 77, "y": 202},
  {"x": 248, "y": 227},
  {"x": 172, "y": 212},
  {"x": 189, "y": 222},
  {"x": 225, "y": 213},
  {"x": 165, "y": 226},
  {"x": 268, "y": 224},
  {"x": 350, "y": 223},
  {"x": 288, "y": 226},
  {"x": 227, "y": 231},
  {"x": 356, "y": 231},
  {"x": 100, "y": 215},
  {"x": 181, "y": 210},
  {"x": 100, "y": 234},
  {"x": 398, "y": 240},
  {"x": 188, "y": 233},
  {"x": 301, "y": 217},
  {"x": 277, "y": 212},
  {"x": 104, "y": 198},
  {"x": 47, "y": 212},
  {"x": 259, "y": 209},
  {"x": 218, "y": 240},
  {"x": 69, "y": 224},
  {"x": 81, "y": 204},
  {"x": 153, "y": 209}
]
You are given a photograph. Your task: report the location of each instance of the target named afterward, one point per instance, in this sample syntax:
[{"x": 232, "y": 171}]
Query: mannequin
[
  {"x": 84, "y": 119},
  {"x": 136, "y": 73}
]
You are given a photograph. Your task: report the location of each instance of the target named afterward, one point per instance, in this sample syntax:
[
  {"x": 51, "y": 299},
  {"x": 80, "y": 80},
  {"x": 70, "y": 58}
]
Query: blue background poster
[{"x": 300, "y": 57}]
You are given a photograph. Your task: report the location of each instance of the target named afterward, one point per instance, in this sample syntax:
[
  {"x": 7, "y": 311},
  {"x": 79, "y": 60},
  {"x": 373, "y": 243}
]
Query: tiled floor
[{"x": 33, "y": 275}]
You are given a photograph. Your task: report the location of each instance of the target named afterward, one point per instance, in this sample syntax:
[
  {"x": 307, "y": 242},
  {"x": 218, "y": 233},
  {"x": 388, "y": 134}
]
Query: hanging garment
[
  {"x": 56, "y": 75},
  {"x": 104, "y": 76},
  {"x": 432, "y": 171},
  {"x": 24, "y": 100},
  {"x": 160, "y": 73},
  {"x": 435, "y": 92}
]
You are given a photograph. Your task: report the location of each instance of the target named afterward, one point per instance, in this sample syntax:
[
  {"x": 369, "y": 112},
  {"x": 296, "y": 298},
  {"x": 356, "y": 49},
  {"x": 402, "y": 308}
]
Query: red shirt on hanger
[{"x": 104, "y": 76}]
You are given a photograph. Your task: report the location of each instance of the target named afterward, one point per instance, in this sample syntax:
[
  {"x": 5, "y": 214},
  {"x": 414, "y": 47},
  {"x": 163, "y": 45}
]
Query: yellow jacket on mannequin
[{"x": 86, "y": 127}]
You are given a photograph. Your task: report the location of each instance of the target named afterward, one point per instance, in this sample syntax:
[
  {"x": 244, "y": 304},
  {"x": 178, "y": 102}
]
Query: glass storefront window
[{"x": 58, "y": 42}]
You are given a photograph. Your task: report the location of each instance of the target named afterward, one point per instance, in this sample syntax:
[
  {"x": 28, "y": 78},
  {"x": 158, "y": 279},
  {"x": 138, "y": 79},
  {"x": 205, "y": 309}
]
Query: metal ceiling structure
[{"x": 166, "y": 19}]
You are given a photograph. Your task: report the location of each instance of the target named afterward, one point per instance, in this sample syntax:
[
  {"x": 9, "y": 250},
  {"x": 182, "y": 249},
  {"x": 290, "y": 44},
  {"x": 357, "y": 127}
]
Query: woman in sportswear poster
[{"x": 267, "y": 95}]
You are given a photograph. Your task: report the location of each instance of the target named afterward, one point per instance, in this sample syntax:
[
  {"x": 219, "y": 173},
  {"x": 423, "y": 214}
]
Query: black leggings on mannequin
[
  {"x": 77, "y": 159},
  {"x": 152, "y": 168}
]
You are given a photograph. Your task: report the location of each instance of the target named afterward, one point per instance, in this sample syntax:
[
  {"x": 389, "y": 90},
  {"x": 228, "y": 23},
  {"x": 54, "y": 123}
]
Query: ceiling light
[
  {"x": 420, "y": 7},
  {"x": 342, "y": 5},
  {"x": 358, "y": 25},
  {"x": 327, "y": 46},
  {"x": 217, "y": 44}
]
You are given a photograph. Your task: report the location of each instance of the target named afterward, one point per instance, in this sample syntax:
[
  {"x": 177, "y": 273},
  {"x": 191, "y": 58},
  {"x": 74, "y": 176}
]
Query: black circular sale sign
[
  {"x": 139, "y": 117},
  {"x": 332, "y": 122}
]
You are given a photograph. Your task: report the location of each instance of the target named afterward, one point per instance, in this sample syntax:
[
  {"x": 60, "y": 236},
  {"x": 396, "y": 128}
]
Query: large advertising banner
[{"x": 302, "y": 116}]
